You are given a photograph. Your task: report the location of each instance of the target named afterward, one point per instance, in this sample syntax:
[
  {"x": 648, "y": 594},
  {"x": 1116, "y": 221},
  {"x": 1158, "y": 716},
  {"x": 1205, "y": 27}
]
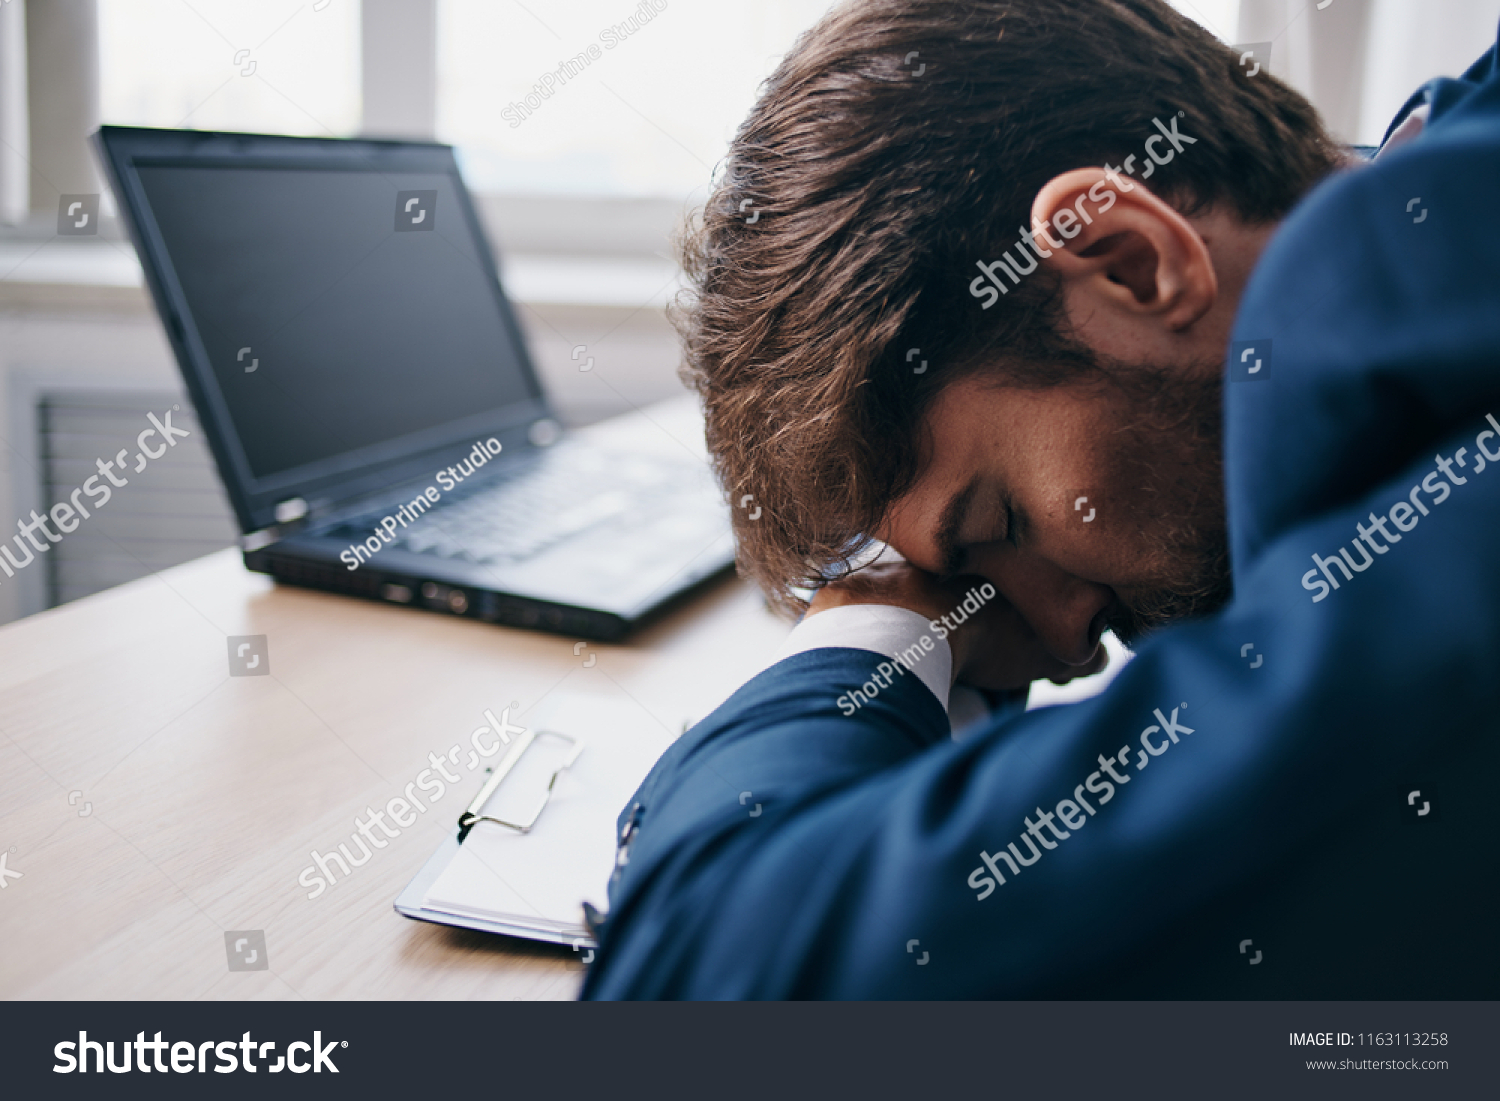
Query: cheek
[
  {"x": 1070, "y": 511},
  {"x": 1084, "y": 511},
  {"x": 1069, "y": 474},
  {"x": 1087, "y": 532}
]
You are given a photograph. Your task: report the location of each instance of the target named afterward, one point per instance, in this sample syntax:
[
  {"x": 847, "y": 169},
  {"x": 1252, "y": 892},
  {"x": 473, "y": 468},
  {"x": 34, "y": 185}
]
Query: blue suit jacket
[{"x": 1264, "y": 801}]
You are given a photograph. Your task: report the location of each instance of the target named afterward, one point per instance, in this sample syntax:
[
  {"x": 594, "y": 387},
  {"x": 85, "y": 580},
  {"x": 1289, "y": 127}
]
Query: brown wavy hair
[{"x": 899, "y": 142}]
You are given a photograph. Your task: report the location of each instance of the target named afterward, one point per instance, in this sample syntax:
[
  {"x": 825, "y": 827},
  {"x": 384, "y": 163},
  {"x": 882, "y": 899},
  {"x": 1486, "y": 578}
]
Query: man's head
[{"x": 969, "y": 264}]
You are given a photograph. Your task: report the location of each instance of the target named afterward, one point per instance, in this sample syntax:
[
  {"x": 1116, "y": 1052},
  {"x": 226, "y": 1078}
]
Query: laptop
[{"x": 369, "y": 399}]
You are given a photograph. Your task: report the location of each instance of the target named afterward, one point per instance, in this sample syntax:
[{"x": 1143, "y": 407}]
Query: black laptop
[{"x": 368, "y": 396}]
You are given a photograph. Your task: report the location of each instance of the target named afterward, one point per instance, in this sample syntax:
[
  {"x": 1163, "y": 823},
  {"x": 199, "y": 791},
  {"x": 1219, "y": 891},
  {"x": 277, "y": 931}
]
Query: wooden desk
[{"x": 205, "y": 792}]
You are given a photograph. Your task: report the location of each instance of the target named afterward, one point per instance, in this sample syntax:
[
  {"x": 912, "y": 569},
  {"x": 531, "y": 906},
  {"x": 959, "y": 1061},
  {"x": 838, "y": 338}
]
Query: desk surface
[{"x": 151, "y": 802}]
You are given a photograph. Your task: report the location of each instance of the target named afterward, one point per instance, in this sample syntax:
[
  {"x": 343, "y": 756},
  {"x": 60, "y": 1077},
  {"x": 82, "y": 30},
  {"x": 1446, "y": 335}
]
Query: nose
[{"x": 1067, "y": 612}]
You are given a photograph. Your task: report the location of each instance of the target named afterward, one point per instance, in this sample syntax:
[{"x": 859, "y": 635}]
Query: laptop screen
[{"x": 341, "y": 309}]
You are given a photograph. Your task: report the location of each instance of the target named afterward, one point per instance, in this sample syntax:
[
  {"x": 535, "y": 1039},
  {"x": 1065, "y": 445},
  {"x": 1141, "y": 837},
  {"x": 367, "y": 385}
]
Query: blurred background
[{"x": 581, "y": 191}]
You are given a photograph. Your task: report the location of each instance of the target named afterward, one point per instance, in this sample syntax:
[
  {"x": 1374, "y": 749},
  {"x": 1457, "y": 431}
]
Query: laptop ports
[{"x": 445, "y": 598}]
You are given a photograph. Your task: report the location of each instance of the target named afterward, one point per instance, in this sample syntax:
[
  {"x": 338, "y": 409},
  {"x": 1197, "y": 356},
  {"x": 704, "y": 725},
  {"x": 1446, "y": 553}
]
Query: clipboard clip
[{"x": 472, "y": 815}]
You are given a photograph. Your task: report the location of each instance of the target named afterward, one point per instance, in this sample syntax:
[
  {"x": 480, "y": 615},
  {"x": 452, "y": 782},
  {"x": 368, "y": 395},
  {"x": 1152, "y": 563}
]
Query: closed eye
[{"x": 958, "y": 559}]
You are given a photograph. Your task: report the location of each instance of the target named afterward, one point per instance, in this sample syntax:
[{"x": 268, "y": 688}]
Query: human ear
[{"x": 1123, "y": 247}]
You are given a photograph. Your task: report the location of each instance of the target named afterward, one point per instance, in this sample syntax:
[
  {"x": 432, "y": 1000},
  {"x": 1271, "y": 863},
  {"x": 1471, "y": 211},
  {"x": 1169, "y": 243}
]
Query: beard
[{"x": 1174, "y": 448}]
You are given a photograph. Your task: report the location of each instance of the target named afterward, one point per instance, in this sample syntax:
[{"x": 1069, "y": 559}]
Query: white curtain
[{"x": 1358, "y": 60}]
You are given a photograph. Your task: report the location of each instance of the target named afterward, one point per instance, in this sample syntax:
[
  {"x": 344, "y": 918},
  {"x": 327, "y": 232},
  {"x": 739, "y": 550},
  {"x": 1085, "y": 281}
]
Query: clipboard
[{"x": 537, "y": 841}]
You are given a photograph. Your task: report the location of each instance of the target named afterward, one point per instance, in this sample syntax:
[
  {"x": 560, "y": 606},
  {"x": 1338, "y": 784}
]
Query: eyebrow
[{"x": 950, "y": 523}]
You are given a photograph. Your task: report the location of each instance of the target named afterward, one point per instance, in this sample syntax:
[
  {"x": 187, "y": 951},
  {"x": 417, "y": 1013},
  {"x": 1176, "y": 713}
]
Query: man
[{"x": 1006, "y": 255}]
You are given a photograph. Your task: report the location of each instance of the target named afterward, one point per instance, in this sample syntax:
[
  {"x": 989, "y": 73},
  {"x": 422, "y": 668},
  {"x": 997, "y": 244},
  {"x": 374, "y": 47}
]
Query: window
[
  {"x": 588, "y": 98},
  {"x": 276, "y": 66},
  {"x": 1220, "y": 17},
  {"x": 641, "y": 100}
]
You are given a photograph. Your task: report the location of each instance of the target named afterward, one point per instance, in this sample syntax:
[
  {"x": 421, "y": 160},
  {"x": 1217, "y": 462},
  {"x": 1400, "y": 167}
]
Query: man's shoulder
[{"x": 1373, "y": 309}]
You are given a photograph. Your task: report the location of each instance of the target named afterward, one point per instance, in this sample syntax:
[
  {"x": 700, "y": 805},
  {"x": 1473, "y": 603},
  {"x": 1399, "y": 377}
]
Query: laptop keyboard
[{"x": 534, "y": 503}]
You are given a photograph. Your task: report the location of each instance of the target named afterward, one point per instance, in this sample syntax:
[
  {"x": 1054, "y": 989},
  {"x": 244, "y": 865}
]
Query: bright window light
[
  {"x": 274, "y": 66},
  {"x": 1222, "y": 17},
  {"x": 652, "y": 95}
]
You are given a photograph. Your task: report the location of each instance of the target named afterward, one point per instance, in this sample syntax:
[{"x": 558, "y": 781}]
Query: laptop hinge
[
  {"x": 288, "y": 515},
  {"x": 290, "y": 510}
]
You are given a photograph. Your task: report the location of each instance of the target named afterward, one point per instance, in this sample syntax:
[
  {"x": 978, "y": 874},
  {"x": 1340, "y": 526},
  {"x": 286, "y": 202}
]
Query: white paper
[{"x": 541, "y": 879}]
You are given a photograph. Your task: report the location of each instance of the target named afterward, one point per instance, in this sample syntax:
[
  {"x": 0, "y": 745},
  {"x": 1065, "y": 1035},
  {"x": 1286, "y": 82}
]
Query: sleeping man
[{"x": 1099, "y": 333}]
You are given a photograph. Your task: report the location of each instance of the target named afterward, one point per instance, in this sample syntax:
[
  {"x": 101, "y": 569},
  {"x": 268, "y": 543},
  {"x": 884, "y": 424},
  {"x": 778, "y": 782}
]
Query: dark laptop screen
[{"x": 358, "y": 294}]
